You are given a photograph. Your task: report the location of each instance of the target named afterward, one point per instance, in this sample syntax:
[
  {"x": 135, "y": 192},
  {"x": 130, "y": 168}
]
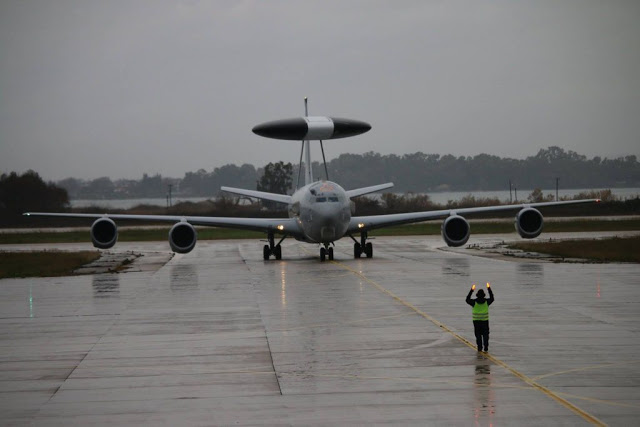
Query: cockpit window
[
  {"x": 321, "y": 199},
  {"x": 333, "y": 199}
]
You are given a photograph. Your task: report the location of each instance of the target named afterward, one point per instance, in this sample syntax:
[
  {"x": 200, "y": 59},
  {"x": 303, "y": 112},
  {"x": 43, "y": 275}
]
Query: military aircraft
[{"x": 320, "y": 212}]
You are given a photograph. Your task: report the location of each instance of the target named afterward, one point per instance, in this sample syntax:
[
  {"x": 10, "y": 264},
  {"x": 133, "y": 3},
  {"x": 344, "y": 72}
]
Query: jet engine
[
  {"x": 182, "y": 237},
  {"x": 104, "y": 233},
  {"x": 529, "y": 223},
  {"x": 455, "y": 230}
]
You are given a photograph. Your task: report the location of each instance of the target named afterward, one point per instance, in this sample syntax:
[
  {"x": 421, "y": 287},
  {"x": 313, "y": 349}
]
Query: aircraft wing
[
  {"x": 281, "y": 198},
  {"x": 367, "y": 223},
  {"x": 287, "y": 226},
  {"x": 366, "y": 190}
]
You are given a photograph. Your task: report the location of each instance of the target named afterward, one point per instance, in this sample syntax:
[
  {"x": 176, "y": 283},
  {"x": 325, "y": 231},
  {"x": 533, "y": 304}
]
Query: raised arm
[{"x": 469, "y": 300}]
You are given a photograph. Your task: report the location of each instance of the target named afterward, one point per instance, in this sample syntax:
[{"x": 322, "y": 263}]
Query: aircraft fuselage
[{"x": 322, "y": 210}]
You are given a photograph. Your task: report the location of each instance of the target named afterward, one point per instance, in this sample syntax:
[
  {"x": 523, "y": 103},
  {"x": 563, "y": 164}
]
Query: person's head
[{"x": 480, "y": 293}]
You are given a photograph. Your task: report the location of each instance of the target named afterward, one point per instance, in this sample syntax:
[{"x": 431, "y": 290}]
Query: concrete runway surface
[{"x": 221, "y": 337}]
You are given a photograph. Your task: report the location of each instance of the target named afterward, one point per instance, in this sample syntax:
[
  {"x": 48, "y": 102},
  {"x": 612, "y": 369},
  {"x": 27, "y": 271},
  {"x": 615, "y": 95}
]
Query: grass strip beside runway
[
  {"x": 615, "y": 249},
  {"x": 43, "y": 263}
]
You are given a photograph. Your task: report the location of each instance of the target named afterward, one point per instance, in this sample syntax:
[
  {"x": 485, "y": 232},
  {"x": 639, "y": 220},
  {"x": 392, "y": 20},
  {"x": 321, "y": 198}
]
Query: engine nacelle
[
  {"x": 104, "y": 233},
  {"x": 182, "y": 237},
  {"x": 455, "y": 231},
  {"x": 529, "y": 223}
]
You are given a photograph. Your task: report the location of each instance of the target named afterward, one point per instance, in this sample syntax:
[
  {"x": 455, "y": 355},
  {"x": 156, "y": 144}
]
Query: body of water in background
[{"x": 436, "y": 197}]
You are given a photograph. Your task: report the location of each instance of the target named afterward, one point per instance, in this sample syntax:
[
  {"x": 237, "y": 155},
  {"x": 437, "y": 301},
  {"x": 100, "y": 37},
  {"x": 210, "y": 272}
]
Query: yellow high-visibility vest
[{"x": 480, "y": 311}]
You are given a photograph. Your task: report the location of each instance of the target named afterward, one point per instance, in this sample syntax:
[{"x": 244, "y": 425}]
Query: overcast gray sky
[{"x": 119, "y": 88}]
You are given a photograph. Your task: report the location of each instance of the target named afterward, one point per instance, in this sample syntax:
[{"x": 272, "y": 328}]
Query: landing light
[
  {"x": 280, "y": 227},
  {"x": 361, "y": 225}
]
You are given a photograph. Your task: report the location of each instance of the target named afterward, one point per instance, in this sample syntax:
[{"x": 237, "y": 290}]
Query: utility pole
[
  {"x": 557, "y": 180},
  {"x": 169, "y": 201}
]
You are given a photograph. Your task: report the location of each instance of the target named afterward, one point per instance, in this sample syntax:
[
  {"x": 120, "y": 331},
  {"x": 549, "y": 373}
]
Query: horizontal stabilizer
[
  {"x": 280, "y": 198},
  {"x": 366, "y": 190}
]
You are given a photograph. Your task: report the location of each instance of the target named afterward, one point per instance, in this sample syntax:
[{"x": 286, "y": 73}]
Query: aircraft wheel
[
  {"x": 368, "y": 249},
  {"x": 266, "y": 252},
  {"x": 357, "y": 250},
  {"x": 330, "y": 254},
  {"x": 323, "y": 254},
  {"x": 278, "y": 252}
]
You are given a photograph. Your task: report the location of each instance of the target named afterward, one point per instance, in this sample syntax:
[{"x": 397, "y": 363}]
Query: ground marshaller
[{"x": 480, "y": 312}]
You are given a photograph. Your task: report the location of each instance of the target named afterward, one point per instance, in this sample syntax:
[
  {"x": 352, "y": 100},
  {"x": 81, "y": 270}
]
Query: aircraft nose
[
  {"x": 328, "y": 233},
  {"x": 326, "y": 216}
]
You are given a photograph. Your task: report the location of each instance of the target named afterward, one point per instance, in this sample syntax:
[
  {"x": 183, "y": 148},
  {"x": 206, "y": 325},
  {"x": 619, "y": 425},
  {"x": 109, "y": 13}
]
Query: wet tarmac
[{"x": 221, "y": 337}]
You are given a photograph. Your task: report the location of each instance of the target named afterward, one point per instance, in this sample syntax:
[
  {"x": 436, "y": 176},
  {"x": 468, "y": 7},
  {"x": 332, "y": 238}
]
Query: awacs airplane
[{"x": 320, "y": 212}]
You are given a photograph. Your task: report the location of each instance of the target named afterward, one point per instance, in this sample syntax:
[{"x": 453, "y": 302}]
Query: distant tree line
[
  {"x": 28, "y": 193},
  {"x": 417, "y": 172},
  {"x": 421, "y": 173}
]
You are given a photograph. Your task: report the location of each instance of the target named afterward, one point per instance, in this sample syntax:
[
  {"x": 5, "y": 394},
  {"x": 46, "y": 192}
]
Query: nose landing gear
[{"x": 325, "y": 252}]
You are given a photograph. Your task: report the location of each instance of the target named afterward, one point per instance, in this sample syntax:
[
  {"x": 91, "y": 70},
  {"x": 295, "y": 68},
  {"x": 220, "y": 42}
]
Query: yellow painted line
[
  {"x": 587, "y": 368},
  {"x": 575, "y": 409},
  {"x": 603, "y": 402}
]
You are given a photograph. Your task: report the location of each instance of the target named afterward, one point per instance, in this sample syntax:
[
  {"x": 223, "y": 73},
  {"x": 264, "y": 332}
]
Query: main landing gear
[
  {"x": 325, "y": 252},
  {"x": 362, "y": 246},
  {"x": 272, "y": 248}
]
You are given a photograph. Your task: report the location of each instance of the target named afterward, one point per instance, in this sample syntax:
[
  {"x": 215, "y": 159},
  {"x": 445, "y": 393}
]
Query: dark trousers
[{"x": 481, "y": 329}]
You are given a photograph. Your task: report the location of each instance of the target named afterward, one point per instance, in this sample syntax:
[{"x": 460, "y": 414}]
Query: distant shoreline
[{"x": 438, "y": 197}]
